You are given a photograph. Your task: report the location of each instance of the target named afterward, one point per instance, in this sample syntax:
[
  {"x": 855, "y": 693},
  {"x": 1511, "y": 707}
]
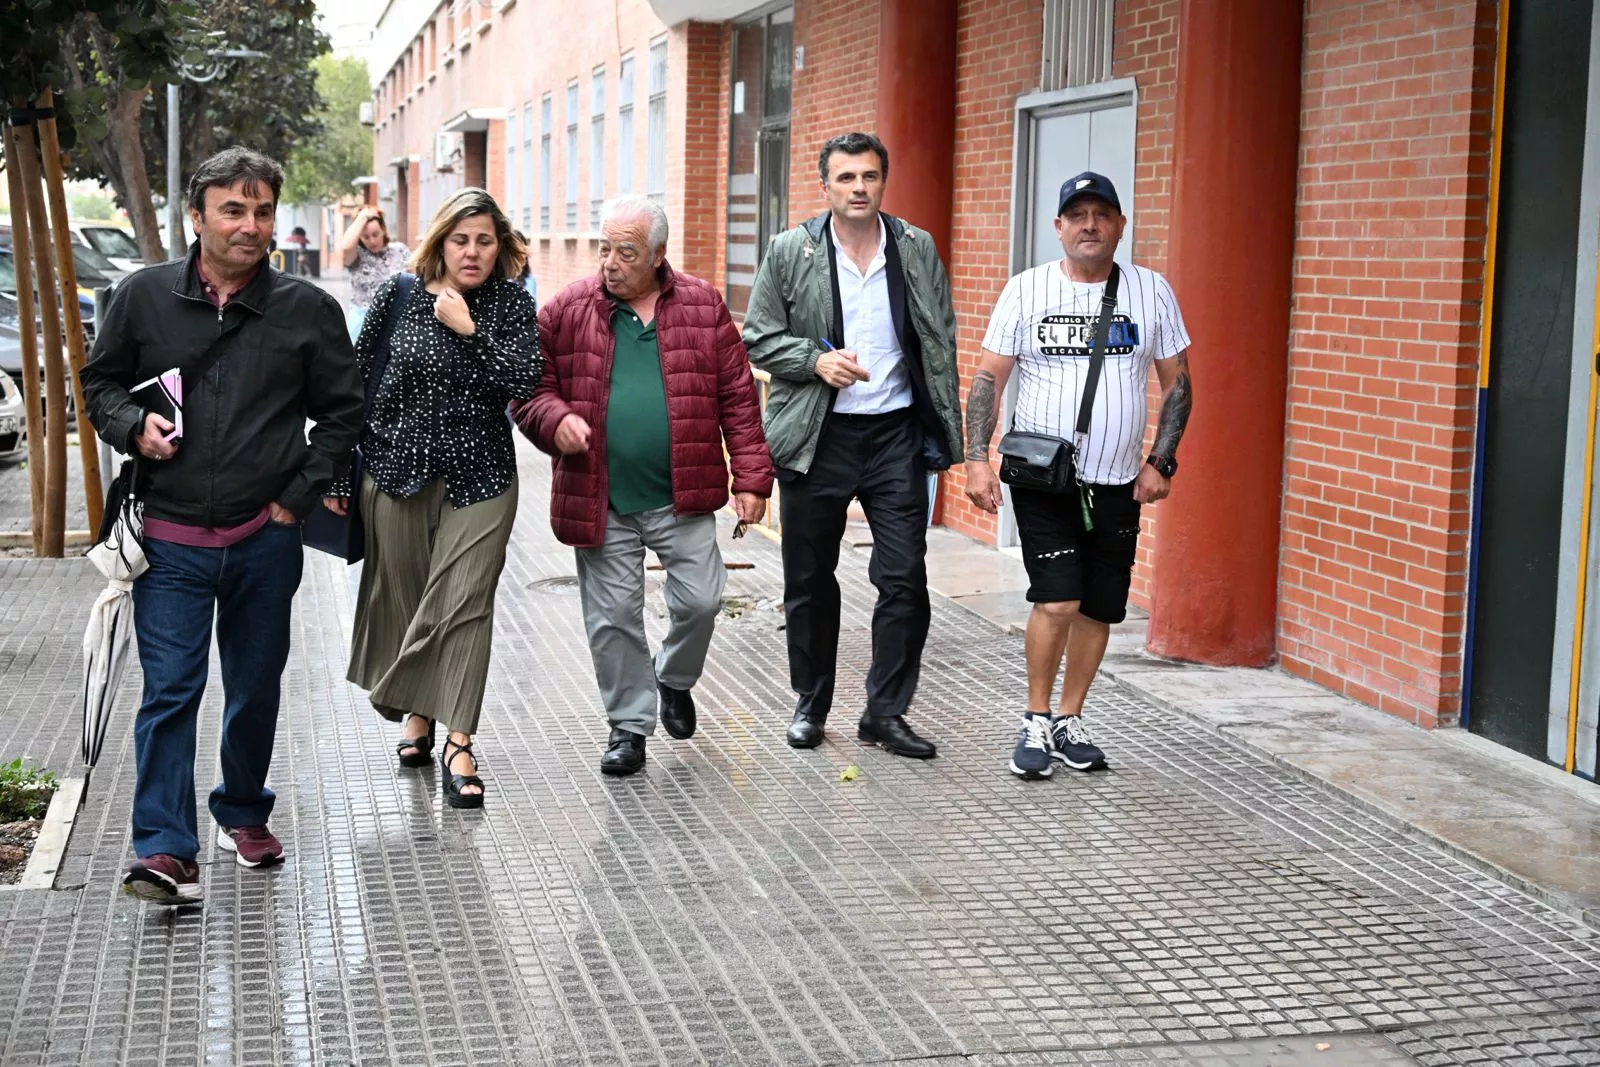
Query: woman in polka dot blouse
[{"x": 439, "y": 484}]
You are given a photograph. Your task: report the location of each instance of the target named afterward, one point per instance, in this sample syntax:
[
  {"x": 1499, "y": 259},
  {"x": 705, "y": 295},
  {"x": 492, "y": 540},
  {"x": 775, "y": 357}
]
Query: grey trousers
[
  {"x": 611, "y": 584},
  {"x": 425, "y": 611}
]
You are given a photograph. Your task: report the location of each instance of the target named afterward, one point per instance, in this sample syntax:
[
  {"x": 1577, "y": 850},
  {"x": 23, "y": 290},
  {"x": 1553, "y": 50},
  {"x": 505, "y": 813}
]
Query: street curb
[{"x": 51, "y": 848}]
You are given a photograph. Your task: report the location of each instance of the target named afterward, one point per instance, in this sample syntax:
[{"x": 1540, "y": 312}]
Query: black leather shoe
[
  {"x": 677, "y": 712},
  {"x": 625, "y": 753},
  {"x": 892, "y": 733},
  {"x": 806, "y": 730}
]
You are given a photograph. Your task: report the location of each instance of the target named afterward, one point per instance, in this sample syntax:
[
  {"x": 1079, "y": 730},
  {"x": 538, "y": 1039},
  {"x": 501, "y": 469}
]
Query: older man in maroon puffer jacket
[{"x": 645, "y": 377}]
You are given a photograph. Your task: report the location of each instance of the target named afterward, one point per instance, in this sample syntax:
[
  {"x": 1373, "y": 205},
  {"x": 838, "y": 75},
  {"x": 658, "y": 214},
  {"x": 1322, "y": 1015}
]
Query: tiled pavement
[{"x": 739, "y": 903}]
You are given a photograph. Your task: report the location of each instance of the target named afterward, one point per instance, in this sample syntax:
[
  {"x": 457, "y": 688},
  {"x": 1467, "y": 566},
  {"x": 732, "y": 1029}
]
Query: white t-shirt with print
[{"x": 1045, "y": 321}]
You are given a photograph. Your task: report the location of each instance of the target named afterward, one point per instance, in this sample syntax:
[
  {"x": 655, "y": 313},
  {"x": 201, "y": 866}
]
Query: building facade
[{"x": 1385, "y": 251}]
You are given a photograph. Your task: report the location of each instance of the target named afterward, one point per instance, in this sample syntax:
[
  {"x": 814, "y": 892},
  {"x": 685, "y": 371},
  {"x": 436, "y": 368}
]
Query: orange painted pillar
[
  {"x": 1230, "y": 261},
  {"x": 917, "y": 122},
  {"x": 917, "y": 111}
]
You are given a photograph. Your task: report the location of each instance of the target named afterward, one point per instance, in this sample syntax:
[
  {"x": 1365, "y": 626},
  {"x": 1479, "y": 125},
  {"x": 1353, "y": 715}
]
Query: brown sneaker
[
  {"x": 163, "y": 879},
  {"x": 252, "y": 846}
]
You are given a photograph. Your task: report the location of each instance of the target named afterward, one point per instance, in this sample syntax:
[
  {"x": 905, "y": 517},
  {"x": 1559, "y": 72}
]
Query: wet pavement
[{"x": 738, "y": 902}]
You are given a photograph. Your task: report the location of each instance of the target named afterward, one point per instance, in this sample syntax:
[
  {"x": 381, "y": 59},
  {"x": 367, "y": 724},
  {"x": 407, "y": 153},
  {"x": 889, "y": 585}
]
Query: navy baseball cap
[{"x": 1088, "y": 184}]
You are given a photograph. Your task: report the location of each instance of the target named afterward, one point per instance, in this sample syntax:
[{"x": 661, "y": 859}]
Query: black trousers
[{"x": 878, "y": 460}]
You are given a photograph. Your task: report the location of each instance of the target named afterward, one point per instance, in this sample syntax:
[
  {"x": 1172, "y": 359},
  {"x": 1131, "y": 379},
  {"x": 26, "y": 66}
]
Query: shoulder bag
[
  {"x": 345, "y": 535},
  {"x": 1042, "y": 462}
]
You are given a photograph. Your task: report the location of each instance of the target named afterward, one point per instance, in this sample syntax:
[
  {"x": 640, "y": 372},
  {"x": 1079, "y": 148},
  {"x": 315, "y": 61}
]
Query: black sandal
[
  {"x": 453, "y": 783},
  {"x": 420, "y": 752}
]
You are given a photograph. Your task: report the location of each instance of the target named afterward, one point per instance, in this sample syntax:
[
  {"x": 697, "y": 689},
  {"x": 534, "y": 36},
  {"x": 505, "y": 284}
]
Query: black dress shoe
[
  {"x": 806, "y": 730},
  {"x": 677, "y": 712},
  {"x": 625, "y": 753},
  {"x": 891, "y": 732}
]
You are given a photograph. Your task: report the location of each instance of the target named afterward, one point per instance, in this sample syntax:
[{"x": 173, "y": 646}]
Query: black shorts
[{"x": 1065, "y": 562}]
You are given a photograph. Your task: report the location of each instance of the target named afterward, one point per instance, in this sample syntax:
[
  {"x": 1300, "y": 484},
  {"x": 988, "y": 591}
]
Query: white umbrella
[{"x": 106, "y": 640}]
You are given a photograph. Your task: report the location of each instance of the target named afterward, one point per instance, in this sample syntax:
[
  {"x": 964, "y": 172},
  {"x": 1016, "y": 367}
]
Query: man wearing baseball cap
[{"x": 1077, "y": 507}]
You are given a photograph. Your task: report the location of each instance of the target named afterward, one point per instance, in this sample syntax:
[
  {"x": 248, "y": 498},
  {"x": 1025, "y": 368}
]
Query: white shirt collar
[{"x": 883, "y": 235}]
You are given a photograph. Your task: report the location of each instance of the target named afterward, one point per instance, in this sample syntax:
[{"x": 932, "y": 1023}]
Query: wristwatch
[{"x": 1166, "y": 466}]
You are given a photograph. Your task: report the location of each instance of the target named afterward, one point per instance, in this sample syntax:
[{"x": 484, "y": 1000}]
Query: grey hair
[{"x": 631, "y": 207}]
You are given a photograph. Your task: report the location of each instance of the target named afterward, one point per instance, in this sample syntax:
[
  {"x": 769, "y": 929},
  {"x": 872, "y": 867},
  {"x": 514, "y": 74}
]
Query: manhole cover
[{"x": 566, "y": 584}]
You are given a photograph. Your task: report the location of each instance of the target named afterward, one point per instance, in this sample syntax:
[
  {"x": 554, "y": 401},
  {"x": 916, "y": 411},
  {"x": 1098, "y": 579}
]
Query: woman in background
[{"x": 371, "y": 258}]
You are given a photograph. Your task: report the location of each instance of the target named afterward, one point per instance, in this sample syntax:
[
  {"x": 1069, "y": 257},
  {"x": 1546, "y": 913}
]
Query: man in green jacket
[{"x": 850, "y": 315}]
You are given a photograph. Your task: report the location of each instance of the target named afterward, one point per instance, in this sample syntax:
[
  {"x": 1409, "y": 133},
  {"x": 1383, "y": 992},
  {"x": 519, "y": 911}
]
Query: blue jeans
[{"x": 249, "y": 588}]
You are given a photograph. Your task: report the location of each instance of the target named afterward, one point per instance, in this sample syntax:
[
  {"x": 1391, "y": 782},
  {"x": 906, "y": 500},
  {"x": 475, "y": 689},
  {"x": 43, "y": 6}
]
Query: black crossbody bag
[{"x": 1047, "y": 464}]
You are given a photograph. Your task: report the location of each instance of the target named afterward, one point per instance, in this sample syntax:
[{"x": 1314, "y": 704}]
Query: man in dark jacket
[
  {"x": 258, "y": 354},
  {"x": 645, "y": 378},
  {"x": 850, "y": 314}
]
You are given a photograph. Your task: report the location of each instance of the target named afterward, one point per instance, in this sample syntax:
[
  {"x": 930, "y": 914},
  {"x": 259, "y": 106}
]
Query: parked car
[
  {"x": 8, "y": 287},
  {"x": 13, "y": 413},
  {"x": 112, "y": 242},
  {"x": 94, "y": 270},
  {"x": 11, "y": 364}
]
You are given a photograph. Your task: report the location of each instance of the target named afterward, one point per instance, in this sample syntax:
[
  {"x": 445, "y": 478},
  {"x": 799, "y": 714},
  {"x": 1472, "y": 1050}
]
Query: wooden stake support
[
  {"x": 15, "y": 147},
  {"x": 55, "y": 394},
  {"x": 72, "y": 321}
]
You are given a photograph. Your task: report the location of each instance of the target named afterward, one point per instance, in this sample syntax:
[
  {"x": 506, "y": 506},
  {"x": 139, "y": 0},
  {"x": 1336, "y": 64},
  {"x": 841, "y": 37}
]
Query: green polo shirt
[{"x": 638, "y": 447}]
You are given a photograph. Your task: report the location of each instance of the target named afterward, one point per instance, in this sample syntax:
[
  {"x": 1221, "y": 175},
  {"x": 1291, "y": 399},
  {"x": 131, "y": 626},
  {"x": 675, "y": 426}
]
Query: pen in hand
[{"x": 851, "y": 373}]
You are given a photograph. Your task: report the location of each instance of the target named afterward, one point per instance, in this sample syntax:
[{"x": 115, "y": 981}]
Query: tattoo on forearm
[
  {"x": 1175, "y": 411},
  {"x": 982, "y": 413}
]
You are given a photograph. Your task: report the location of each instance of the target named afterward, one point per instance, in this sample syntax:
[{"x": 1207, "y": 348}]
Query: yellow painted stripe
[
  {"x": 1494, "y": 193},
  {"x": 1583, "y": 545}
]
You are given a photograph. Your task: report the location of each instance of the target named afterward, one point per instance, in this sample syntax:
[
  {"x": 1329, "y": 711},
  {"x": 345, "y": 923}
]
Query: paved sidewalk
[
  {"x": 1521, "y": 820},
  {"x": 738, "y": 903}
]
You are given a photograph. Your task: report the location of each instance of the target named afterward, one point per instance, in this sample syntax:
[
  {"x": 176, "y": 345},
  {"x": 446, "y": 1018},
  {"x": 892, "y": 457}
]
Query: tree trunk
[{"x": 131, "y": 175}]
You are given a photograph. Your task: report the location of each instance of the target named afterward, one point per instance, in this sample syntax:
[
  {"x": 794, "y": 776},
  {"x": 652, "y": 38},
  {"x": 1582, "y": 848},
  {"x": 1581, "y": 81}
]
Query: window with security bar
[
  {"x": 597, "y": 146},
  {"x": 656, "y": 160},
  {"x": 510, "y": 183},
  {"x": 546, "y": 117},
  {"x": 625, "y": 126},
  {"x": 1077, "y": 43},
  {"x": 527, "y": 165},
  {"x": 572, "y": 156}
]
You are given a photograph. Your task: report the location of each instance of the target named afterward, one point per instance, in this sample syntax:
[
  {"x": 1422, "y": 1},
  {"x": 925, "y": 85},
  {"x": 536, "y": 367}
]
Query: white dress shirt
[{"x": 869, "y": 333}]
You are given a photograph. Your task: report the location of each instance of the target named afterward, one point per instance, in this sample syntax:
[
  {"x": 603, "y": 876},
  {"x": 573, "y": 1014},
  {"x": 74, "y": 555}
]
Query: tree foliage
[
  {"x": 138, "y": 40},
  {"x": 99, "y": 58},
  {"x": 269, "y": 104},
  {"x": 103, "y": 57},
  {"x": 322, "y": 168}
]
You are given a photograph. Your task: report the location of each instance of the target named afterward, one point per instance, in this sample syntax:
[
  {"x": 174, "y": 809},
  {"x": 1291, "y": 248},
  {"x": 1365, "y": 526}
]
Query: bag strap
[
  {"x": 403, "y": 284},
  {"x": 1097, "y": 354}
]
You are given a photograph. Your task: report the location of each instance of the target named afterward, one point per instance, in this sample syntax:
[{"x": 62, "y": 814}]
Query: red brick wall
[
  {"x": 997, "y": 60},
  {"x": 836, "y": 93},
  {"x": 414, "y": 223},
  {"x": 705, "y": 162},
  {"x": 495, "y": 180},
  {"x": 719, "y": 269},
  {"x": 1388, "y": 286}
]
